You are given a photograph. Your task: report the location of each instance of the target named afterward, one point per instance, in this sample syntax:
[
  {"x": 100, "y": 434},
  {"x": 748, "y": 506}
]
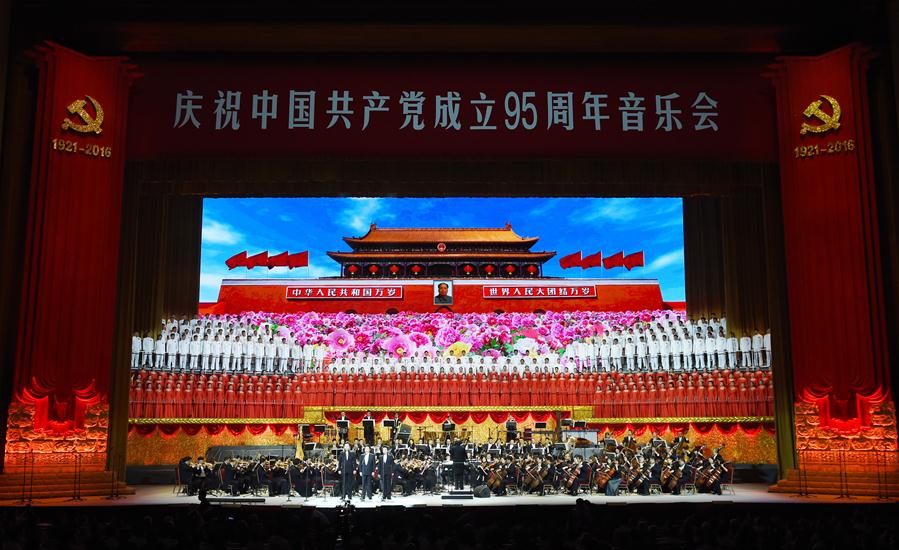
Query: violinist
[{"x": 199, "y": 483}]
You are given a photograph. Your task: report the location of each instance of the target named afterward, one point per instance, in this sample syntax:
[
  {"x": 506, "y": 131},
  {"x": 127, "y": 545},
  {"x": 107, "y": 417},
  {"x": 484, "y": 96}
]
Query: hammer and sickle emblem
[
  {"x": 830, "y": 122},
  {"x": 91, "y": 124}
]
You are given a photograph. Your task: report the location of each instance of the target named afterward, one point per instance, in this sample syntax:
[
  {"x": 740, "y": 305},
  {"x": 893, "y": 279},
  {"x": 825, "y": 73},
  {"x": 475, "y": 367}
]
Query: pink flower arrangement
[{"x": 487, "y": 333}]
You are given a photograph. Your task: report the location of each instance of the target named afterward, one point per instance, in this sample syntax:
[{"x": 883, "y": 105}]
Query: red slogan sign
[
  {"x": 541, "y": 291},
  {"x": 345, "y": 293}
]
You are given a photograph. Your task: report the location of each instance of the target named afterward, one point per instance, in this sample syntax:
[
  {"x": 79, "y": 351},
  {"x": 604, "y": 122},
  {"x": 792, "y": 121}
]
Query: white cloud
[
  {"x": 220, "y": 233},
  {"x": 609, "y": 210},
  {"x": 362, "y": 212},
  {"x": 285, "y": 218},
  {"x": 665, "y": 260}
]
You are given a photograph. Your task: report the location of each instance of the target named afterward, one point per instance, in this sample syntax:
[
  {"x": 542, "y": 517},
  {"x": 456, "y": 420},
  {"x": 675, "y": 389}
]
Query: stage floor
[{"x": 160, "y": 495}]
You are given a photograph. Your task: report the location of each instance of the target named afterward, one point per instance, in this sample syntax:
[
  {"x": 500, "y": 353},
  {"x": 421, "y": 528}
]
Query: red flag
[
  {"x": 634, "y": 260},
  {"x": 259, "y": 260},
  {"x": 278, "y": 260},
  {"x": 615, "y": 260},
  {"x": 593, "y": 260},
  {"x": 237, "y": 260},
  {"x": 571, "y": 260},
  {"x": 298, "y": 259}
]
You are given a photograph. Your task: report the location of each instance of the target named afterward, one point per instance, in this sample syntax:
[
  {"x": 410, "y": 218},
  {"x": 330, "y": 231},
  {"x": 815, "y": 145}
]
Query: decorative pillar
[
  {"x": 840, "y": 367},
  {"x": 67, "y": 314}
]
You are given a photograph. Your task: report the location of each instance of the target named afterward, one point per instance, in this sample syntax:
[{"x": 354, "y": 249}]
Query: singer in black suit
[
  {"x": 458, "y": 455},
  {"x": 386, "y": 467},
  {"x": 366, "y": 469},
  {"x": 346, "y": 469}
]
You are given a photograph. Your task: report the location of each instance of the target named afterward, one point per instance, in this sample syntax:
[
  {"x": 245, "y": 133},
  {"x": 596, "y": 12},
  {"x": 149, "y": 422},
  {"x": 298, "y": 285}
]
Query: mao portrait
[{"x": 443, "y": 293}]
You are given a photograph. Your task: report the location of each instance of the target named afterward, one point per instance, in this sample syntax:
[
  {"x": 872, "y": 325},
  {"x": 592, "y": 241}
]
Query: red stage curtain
[
  {"x": 145, "y": 429},
  {"x": 831, "y": 231},
  {"x": 257, "y": 429},
  {"x": 191, "y": 429},
  {"x": 438, "y": 417},
  {"x": 279, "y": 429},
  {"x": 236, "y": 429},
  {"x": 168, "y": 430},
  {"x": 520, "y": 416},
  {"x": 479, "y": 417},
  {"x": 418, "y": 417},
  {"x": 703, "y": 427},
  {"x": 541, "y": 416},
  {"x": 459, "y": 417},
  {"x": 499, "y": 416}
]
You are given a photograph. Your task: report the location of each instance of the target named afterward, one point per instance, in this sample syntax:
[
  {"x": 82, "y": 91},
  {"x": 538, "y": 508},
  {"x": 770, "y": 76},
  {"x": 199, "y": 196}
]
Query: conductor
[{"x": 458, "y": 455}]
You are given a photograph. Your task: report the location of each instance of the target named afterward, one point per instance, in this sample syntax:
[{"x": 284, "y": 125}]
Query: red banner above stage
[
  {"x": 345, "y": 293},
  {"x": 498, "y": 106}
]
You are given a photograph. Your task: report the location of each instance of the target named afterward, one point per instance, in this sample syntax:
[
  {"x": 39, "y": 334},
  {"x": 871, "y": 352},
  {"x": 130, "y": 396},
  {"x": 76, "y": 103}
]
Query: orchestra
[{"x": 611, "y": 468}]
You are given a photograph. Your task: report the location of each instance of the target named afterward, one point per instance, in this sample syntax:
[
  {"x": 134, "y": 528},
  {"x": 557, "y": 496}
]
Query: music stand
[
  {"x": 449, "y": 427},
  {"x": 580, "y": 424},
  {"x": 343, "y": 430},
  {"x": 388, "y": 423},
  {"x": 539, "y": 425}
]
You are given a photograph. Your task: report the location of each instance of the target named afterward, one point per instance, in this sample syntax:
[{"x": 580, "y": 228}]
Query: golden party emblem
[
  {"x": 92, "y": 124},
  {"x": 828, "y": 121}
]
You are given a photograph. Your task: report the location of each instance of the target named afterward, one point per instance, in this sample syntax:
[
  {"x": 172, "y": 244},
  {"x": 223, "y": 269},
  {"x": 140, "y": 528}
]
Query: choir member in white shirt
[
  {"x": 196, "y": 348},
  {"x": 699, "y": 345},
  {"x": 630, "y": 350},
  {"x": 687, "y": 346},
  {"x": 216, "y": 353},
  {"x": 605, "y": 353},
  {"x": 676, "y": 350},
  {"x": 226, "y": 353},
  {"x": 665, "y": 352},
  {"x": 147, "y": 346},
  {"x": 732, "y": 348},
  {"x": 721, "y": 349},
  {"x": 171, "y": 351},
  {"x": 641, "y": 354},
  {"x": 205, "y": 353},
  {"x": 270, "y": 350},
  {"x": 183, "y": 352},
  {"x": 258, "y": 355},
  {"x": 766, "y": 345},
  {"x": 135, "y": 351},
  {"x": 159, "y": 352},
  {"x": 296, "y": 355},
  {"x": 617, "y": 350},
  {"x": 653, "y": 349},
  {"x": 745, "y": 349},
  {"x": 757, "y": 342}
]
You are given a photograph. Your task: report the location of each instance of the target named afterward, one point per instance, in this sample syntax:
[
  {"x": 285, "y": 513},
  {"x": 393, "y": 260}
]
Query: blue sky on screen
[{"x": 564, "y": 225}]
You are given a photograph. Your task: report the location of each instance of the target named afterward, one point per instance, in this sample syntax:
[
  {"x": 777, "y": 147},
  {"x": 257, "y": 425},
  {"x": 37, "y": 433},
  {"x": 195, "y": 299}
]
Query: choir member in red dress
[
  {"x": 136, "y": 399},
  {"x": 515, "y": 390},
  {"x": 278, "y": 402},
  {"x": 690, "y": 402},
  {"x": 328, "y": 391},
  {"x": 339, "y": 392},
  {"x": 168, "y": 401},
  {"x": 494, "y": 389},
  {"x": 743, "y": 400},
  {"x": 230, "y": 399},
  {"x": 444, "y": 391},
  {"x": 662, "y": 399},
  {"x": 259, "y": 400},
  {"x": 483, "y": 390},
  {"x": 504, "y": 398}
]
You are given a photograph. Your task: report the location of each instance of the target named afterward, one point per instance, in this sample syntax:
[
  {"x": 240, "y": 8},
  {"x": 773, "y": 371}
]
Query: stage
[{"x": 743, "y": 493}]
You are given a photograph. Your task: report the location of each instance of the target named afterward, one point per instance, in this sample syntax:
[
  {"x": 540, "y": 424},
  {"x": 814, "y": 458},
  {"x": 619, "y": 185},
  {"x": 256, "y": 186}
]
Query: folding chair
[{"x": 727, "y": 484}]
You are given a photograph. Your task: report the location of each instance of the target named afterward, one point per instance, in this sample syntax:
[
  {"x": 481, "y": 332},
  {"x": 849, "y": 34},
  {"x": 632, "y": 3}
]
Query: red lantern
[
  {"x": 372, "y": 269},
  {"x": 394, "y": 269},
  {"x": 353, "y": 269},
  {"x": 510, "y": 269},
  {"x": 489, "y": 269},
  {"x": 468, "y": 269},
  {"x": 532, "y": 269},
  {"x": 416, "y": 269}
]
